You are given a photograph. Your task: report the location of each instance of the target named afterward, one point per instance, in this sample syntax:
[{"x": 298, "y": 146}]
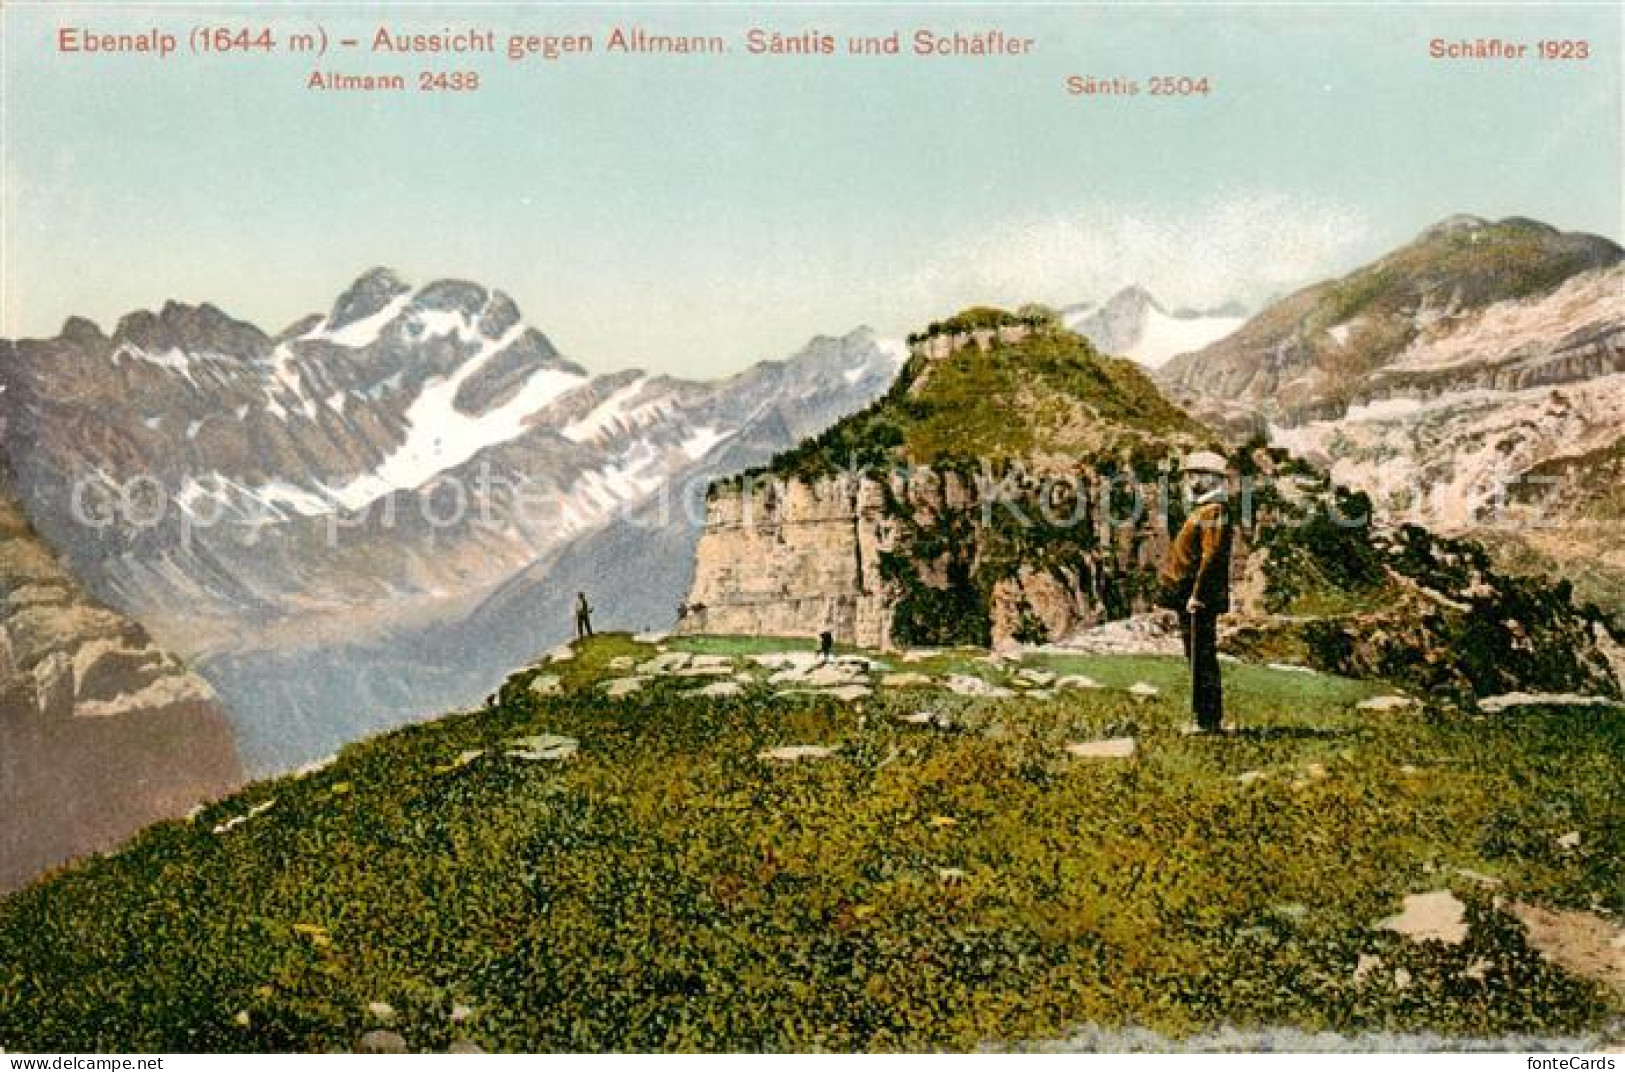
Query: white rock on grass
[
  {"x": 1291, "y": 668},
  {"x": 720, "y": 689},
  {"x": 703, "y": 671},
  {"x": 382, "y": 1011},
  {"x": 615, "y": 688},
  {"x": 622, "y": 662},
  {"x": 1035, "y": 677},
  {"x": 925, "y": 718},
  {"x": 794, "y": 753},
  {"x": 651, "y": 638},
  {"x": 1433, "y": 916},
  {"x": 544, "y": 746},
  {"x": 546, "y": 685},
  {"x": 966, "y": 685},
  {"x": 1112, "y": 748},
  {"x": 1142, "y": 690},
  {"x": 1249, "y": 777},
  {"x": 906, "y": 680},
  {"x": 1077, "y": 681},
  {"x": 381, "y": 1042},
  {"x": 1385, "y": 703},
  {"x": 252, "y": 813},
  {"x": 1570, "y": 840}
]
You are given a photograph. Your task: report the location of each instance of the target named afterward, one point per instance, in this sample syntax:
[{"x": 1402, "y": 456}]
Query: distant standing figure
[
  {"x": 826, "y": 634},
  {"x": 583, "y": 616},
  {"x": 1195, "y": 582}
]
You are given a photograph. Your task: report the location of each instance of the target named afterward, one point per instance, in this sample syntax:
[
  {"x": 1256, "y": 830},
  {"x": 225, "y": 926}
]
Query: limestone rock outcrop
[{"x": 101, "y": 732}]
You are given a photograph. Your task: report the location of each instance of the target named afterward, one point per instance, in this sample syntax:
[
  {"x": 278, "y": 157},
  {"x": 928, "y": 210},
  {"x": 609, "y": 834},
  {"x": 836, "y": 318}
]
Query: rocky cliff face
[
  {"x": 101, "y": 732},
  {"x": 920, "y": 557}
]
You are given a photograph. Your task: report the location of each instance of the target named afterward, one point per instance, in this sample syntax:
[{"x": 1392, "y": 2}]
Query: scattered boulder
[
  {"x": 1433, "y": 916},
  {"x": 1077, "y": 681},
  {"x": 544, "y": 746},
  {"x": 926, "y": 718},
  {"x": 546, "y": 685},
  {"x": 615, "y": 688},
  {"x": 1112, "y": 748},
  {"x": 966, "y": 685},
  {"x": 906, "y": 680},
  {"x": 1385, "y": 703},
  {"x": 1142, "y": 634},
  {"x": 238, "y": 820},
  {"x": 1035, "y": 677},
  {"x": 381, "y": 1042},
  {"x": 1365, "y": 967},
  {"x": 720, "y": 689},
  {"x": 651, "y": 638},
  {"x": 622, "y": 663},
  {"x": 791, "y": 753},
  {"x": 1580, "y": 942},
  {"x": 459, "y": 1013},
  {"x": 465, "y": 1046},
  {"x": 1249, "y": 777},
  {"x": 1291, "y": 668},
  {"x": 1143, "y": 690},
  {"x": 1570, "y": 840},
  {"x": 382, "y": 1011}
]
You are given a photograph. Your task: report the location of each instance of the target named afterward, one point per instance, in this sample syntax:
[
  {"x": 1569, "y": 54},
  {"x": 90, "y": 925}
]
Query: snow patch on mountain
[
  {"x": 439, "y": 436},
  {"x": 364, "y": 332},
  {"x": 1164, "y": 336}
]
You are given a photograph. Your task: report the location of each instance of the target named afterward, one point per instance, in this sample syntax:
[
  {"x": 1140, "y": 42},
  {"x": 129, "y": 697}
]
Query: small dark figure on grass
[{"x": 583, "y": 616}]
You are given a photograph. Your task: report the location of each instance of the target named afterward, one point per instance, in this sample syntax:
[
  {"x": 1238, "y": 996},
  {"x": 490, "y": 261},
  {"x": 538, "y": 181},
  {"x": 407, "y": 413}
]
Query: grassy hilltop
[{"x": 948, "y": 876}]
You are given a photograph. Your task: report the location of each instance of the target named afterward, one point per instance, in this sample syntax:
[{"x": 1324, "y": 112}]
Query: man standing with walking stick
[{"x": 1195, "y": 582}]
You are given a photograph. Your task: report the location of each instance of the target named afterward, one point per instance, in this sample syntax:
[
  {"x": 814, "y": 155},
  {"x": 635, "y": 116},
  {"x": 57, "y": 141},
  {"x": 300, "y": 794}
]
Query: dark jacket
[{"x": 1198, "y": 561}]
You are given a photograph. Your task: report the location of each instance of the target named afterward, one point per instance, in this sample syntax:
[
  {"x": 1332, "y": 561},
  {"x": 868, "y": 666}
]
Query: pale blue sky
[{"x": 696, "y": 214}]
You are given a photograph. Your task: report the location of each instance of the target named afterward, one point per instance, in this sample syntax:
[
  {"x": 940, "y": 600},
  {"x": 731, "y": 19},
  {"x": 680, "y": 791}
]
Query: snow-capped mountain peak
[{"x": 1132, "y": 323}]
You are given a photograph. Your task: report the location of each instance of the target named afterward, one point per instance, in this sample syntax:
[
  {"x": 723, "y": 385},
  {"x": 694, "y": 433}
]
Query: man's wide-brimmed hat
[{"x": 1204, "y": 461}]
